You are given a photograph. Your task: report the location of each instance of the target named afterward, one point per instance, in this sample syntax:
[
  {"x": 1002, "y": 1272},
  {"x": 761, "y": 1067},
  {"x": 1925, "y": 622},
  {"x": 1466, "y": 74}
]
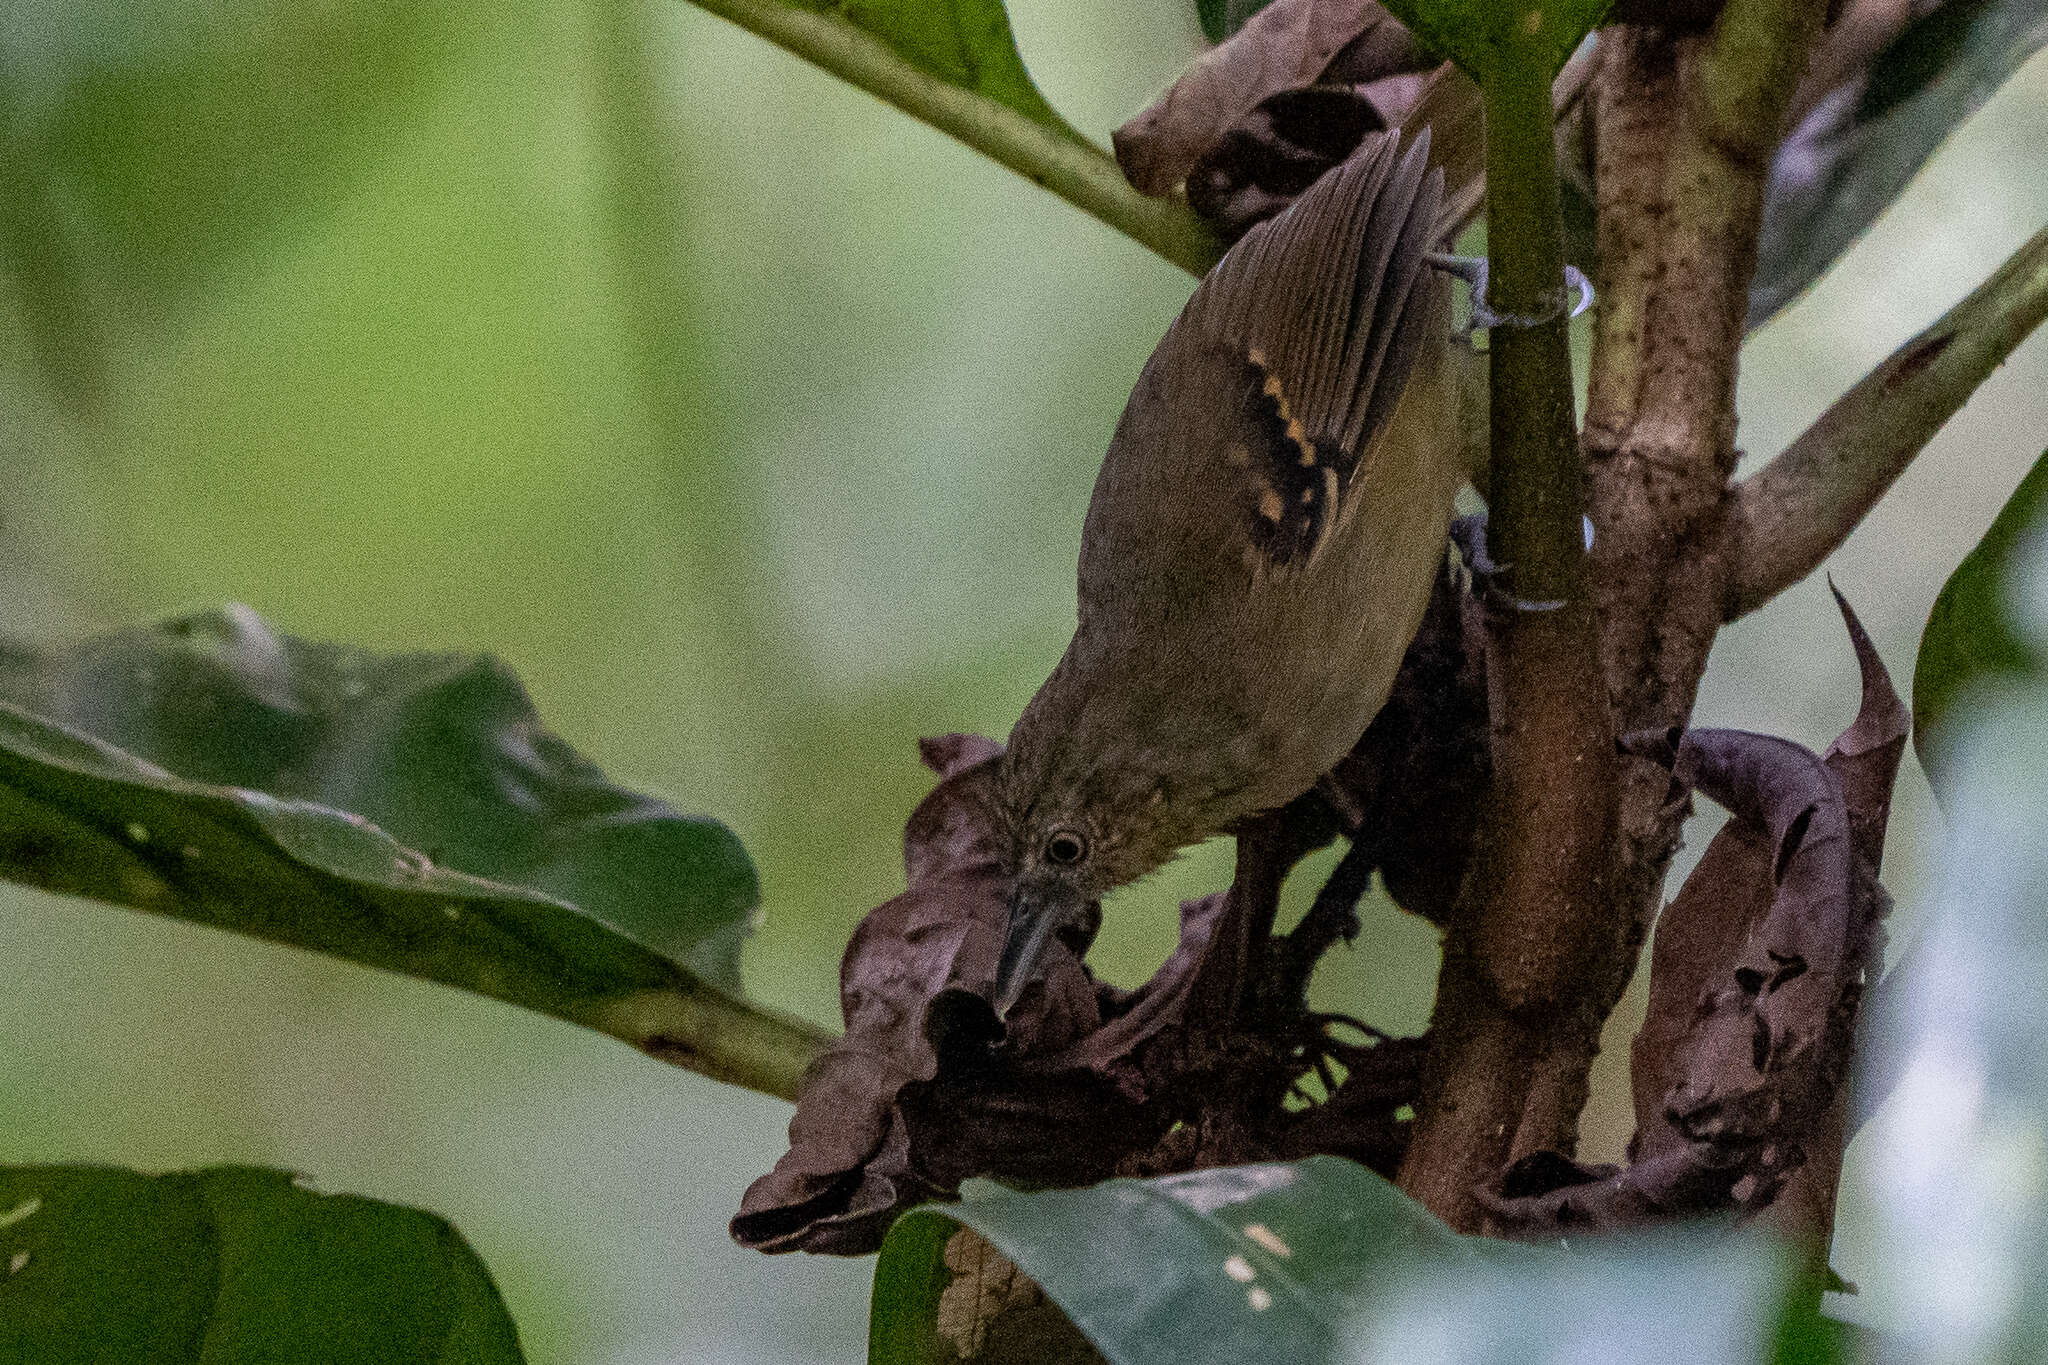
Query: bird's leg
[
  {"x": 1469, "y": 535},
  {"x": 1262, "y": 865},
  {"x": 1575, "y": 297}
]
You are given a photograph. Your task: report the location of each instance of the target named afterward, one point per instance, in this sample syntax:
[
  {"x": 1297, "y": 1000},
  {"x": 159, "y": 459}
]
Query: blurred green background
[{"x": 752, "y": 424}]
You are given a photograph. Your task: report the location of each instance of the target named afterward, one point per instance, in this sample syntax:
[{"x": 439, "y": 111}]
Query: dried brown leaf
[
  {"x": 927, "y": 1088},
  {"x": 1285, "y": 46},
  {"x": 1277, "y": 150},
  {"x": 985, "y": 1285},
  {"x": 1756, "y": 977}
]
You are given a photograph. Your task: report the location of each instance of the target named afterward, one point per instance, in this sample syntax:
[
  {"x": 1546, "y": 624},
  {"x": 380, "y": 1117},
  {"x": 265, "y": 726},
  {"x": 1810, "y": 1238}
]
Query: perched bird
[{"x": 1257, "y": 554}]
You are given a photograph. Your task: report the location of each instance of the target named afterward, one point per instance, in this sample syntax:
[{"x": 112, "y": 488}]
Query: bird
[{"x": 1257, "y": 552}]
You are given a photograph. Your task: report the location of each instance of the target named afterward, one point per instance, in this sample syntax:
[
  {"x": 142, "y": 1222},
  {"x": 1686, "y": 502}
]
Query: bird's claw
[
  {"x": 1469, "y": 535},
  {"x": 1574, "y": 298}
]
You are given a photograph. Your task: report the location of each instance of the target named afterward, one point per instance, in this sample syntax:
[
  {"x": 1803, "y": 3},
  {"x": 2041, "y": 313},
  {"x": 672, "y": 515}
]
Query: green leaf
[
  {"x": 1483, "y": 35},
  {"x": 1322, "y": 1260},
  {"x": 1698, "y": 1293},
  {"x": 342, "y": 756},
  {"x": 233, "y": 1264},
  {"x": 1221, "y": 18},
  {"x": 1857, "y": 150},
  {"x": 1972, "y": 640},
  {"x": 1243, "y": 1263},
  {"x": 405, "y": 811},
  {"x": 1966, "y": 1191},
  {"x": 965, "y": 43}
]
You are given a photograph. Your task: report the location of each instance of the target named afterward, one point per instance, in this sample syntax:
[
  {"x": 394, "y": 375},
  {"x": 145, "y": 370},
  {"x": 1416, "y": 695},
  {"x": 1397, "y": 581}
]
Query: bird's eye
[{"x": 1065, "y": 847}]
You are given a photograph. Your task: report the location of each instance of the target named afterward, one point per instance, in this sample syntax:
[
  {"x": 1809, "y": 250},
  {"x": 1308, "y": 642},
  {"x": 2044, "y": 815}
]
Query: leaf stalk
[{"x": 1055, "y": 158}]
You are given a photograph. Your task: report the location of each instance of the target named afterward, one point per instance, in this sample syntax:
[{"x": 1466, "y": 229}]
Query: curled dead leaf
[
  {"x": 1757, "y": 973},
  {"x": 927, "y": 1087},
  {"x": 1287, "y": 45}
]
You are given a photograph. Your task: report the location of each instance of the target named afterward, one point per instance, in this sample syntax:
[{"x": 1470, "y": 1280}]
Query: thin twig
[
  {"x": 1796, "y": 511},
  {"x": 1062, "y": 162},
  {"x": 1332, "y": 917}
]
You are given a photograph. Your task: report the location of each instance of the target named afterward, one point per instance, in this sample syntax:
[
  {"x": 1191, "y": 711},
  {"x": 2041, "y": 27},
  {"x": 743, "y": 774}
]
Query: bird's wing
[{"x": 1323, "y": 311}]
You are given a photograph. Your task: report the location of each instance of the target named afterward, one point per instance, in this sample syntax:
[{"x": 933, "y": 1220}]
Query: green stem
[
  {"x": 1515, "y": 963},
  {"x": 1534, "y": 524},
  {"x": 703, "y": 1029},
  {"x": 1062, "y": 162}
]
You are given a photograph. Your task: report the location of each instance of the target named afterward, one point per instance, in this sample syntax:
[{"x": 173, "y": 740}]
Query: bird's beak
[{"x": 1035, "y": 914}]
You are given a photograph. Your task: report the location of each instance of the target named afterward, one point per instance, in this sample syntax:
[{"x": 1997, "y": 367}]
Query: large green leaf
[
  {"x": 1242, "y": 1263},
  {"x": 1972, "y": 640},
  {"x": 404, "y": 811},
  {"x": 1694, "y": 1294},
  {"x": 233, "y": 1264},
  {"x": 1959, "y": 1259},
  {"x": 966, "y": 44},
  {"x": 1859, "y": 147},
  {"x": 1319, "y": 1261}
]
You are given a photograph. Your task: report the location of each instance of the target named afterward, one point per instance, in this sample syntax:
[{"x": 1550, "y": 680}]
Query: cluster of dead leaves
[
  {"x": 1256, "y": 119},
  {"x": 1757, "y": 973},
  {"x": 1758, "y": 970}
]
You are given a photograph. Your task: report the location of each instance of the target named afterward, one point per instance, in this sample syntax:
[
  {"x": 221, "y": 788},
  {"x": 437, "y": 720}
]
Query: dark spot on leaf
[
  {"x": 1916, "y": 360},
  {"x": 1790, "y": 969},
  {"x": 1788, "y": 847},
  {"x": 1281, "y": 148}
]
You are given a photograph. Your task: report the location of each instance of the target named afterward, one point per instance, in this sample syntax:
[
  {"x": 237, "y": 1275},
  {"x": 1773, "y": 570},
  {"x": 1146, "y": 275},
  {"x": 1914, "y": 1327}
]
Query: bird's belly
[{"x": 1315, "y": 723}]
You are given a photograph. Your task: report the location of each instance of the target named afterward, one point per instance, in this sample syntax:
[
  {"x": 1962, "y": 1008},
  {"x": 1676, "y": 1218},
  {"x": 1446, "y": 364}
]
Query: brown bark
[{"x": 1683, "y": 128}]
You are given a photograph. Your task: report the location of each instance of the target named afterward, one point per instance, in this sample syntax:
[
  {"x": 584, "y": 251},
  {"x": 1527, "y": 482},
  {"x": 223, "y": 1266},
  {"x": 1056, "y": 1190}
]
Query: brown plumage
[{"x": 1258, "y": 551}]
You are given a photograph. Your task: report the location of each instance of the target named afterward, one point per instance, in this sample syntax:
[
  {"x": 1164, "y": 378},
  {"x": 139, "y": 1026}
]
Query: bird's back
[{"x": 1270, "y": 514}]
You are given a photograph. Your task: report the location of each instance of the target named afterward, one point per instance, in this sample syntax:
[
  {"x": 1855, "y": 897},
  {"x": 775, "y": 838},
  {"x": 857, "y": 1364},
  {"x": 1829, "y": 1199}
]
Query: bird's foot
[
  {"x": 1489, "y": 576},
  {"x": 1568, "y": 301}
]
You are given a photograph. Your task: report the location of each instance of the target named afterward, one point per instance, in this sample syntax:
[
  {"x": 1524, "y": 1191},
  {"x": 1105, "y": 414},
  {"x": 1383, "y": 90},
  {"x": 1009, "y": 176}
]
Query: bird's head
[
  {"x": 1073, "y": 829},
  {"x": 1053, "y": 875}
]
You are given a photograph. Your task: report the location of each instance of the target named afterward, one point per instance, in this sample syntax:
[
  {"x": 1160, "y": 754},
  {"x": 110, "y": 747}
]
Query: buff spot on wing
[{"x": 1289, "y": 485}]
